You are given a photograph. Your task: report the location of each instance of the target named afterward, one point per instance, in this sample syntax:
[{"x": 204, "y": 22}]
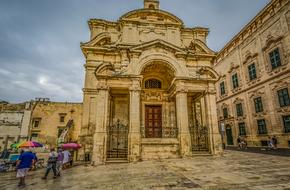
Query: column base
[
  {"x": 99, "y": 149},
  {"x": 185, "y": 145},
  {"x": 135, "y": 147}
]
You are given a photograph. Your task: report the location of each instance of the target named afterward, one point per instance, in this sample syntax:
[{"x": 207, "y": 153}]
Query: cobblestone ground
[{"x": 235, "y": 170}]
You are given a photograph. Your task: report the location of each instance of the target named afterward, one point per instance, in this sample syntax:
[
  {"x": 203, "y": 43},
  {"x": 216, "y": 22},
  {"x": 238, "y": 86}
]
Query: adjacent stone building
[
  {"x": 55, "y": 122},
  {"x": 14, "y": 123},
  {"x": 253, "y": 89},
  {"x": 149, "y": 88}
]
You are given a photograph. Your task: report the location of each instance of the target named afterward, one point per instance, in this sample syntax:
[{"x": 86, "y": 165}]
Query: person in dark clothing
[
  {"x": 239, "y": 141},
  {"x": 51, "y": 163},
  {"x": 24, "y": 163}
]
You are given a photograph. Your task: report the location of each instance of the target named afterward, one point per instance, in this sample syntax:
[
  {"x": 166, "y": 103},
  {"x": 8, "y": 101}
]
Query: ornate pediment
[
  {"x": 209, "y": 72},
  {"x": 233, "y": 67},
  {"x": 157, "y": 43},
  {"x": 105, "y": 69},
  {"x": 249, "y": 57},
  {"x": 198, "y": 47},
  {"x": 271, "y": 40},
  {"x": 101, "y": 39}
]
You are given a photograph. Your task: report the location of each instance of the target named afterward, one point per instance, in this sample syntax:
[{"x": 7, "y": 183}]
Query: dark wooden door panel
[{"x": 153, "y": 121}]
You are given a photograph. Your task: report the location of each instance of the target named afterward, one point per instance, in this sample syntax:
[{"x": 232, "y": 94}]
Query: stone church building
[{"x": 149, "y": 89}]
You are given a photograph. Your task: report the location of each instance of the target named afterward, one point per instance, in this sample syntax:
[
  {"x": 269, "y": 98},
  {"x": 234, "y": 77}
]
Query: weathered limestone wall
[
  {"x": 269, "y": 30},
  {"x": 48, "y": 114}
]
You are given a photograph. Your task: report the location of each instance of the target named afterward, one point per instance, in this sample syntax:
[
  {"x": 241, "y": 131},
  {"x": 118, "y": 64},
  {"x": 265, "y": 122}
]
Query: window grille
[{"x": 153, "y": 83}]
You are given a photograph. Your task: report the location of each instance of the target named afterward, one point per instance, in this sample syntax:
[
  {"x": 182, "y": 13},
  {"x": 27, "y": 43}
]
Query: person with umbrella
[{"x": 67, "y": 155}]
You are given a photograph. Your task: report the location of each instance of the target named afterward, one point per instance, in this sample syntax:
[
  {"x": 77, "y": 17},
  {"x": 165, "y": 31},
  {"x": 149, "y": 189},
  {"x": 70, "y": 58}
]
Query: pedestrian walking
[
  {"x": 275, "y": 142},
  {"x": 51, "y": 163},
  {"x": 59, "y": 163},
  {"x": 239, "y": 141},
  {"x": 270, "y": 143},
  {"x": 23, "y": 164},
  {"x": 66, "y": 158}
]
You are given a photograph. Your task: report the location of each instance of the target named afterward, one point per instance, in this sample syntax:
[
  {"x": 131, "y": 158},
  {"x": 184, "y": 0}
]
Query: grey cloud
[{"x": 39, "y": 40}]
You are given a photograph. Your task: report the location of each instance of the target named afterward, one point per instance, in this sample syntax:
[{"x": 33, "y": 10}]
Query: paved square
[{"x": 235, "y": 170}]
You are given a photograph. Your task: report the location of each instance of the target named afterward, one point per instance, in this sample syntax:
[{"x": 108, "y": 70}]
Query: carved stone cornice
[{"x": 90, "y": 91}]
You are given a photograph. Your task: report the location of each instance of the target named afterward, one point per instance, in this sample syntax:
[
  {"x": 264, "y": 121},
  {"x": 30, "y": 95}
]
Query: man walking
[
  {"x": 51, "y": 163},
  {"x": 23, "y": 164}
]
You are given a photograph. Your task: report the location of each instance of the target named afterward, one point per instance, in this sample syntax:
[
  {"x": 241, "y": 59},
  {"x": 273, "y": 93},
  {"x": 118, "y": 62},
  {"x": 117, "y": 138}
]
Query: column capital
[
  {"x": 135, "y": 87},
  {"x": 210, "y": 92},
  {"x": 102, "y": 85},
  {"x": 181, "y": 89}
]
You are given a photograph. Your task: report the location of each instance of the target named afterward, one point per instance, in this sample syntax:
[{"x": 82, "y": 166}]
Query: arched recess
[
  {"x": 158, "y": 71},
  {"x": 179, "y": 69}
]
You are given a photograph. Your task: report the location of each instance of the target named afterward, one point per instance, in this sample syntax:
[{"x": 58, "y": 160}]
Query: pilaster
[
  {"x": 182, "y": 123},
  {"x": 134, "y": 130},
  {"x": 100, "y": 134},
  {"x": 212, "y": 123}
]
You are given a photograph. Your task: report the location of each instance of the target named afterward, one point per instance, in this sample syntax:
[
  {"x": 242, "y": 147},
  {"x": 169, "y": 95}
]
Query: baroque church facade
[{"x": 149, "y": 89}]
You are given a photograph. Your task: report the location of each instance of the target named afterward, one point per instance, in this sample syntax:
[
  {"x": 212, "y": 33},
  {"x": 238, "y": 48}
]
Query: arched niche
[{"x": 158, "y": 71}]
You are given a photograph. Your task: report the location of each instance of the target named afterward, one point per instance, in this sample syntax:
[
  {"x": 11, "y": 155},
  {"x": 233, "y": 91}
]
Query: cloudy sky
[{"x": 39, "y": 39}]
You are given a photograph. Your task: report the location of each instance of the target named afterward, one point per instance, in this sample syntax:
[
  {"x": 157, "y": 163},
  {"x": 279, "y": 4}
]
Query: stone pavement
[
  {"x": 235, "y": 170},
  {"x": 263, "y": 150}
]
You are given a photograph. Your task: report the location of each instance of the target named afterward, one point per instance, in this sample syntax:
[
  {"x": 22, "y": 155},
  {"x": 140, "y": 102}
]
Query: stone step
[
  {"x": 201, "y": 153},
  {"x": 116, "y": 161}
]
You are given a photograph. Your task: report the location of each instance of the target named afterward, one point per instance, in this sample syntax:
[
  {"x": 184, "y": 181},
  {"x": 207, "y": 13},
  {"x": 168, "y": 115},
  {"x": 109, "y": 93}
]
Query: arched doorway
[
  {"x": 229, "y": 134},
  {"x": 157, "y": 108}
]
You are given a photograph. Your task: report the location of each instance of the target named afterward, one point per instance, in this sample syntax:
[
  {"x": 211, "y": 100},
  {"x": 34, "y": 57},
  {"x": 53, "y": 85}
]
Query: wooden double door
[{"x": 153, "y": 121}]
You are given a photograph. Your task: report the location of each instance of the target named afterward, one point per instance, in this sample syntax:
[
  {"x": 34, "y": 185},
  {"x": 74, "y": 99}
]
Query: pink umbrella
[{"x": 71, "y": 146}]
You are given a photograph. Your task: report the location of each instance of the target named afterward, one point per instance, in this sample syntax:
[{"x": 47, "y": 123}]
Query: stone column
[
  {"x": 100, "y": 134},
  {"x": 212, "y": 123},
  {"x": 182, "y": 123},
  {"x": 134, "y": 130}
]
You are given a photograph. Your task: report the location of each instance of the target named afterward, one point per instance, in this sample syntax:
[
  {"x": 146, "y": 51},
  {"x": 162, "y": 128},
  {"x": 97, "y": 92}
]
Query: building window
[
  {"x": 239, "y": 109},
  {"x": 275, "y": 58},
  {"x": 222, "y": 88},
  {"x": 225, "y": 112},
  {"x": 34, "y": 136},
  {"x": 252, "y": 71},
  {"x": 235, "y": 81},
  {"x": 258, "y": 104},
  {"x": 283, "y": 96},
  {"x": 153, "y": 83},
  {"x": 36, "y": 122},
  {"x": 242, "y": 129},
  {"x": 262, "y": 129},
  {"x": 61, "y": 118},
  {"x": 286, "y": 121}
]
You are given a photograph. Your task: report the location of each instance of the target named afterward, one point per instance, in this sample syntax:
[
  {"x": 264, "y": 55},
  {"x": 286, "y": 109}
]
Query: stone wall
[
  {"x": 48, "y": 116},
  {"x": 266, "y": 32}
]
